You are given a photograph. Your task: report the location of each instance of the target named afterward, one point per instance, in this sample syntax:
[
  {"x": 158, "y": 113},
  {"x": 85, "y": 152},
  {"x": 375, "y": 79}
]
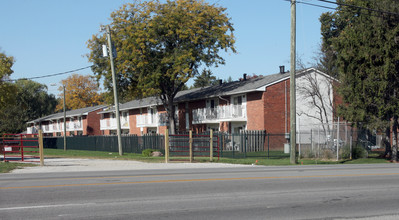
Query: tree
[
  {"x": 316, "y": 92},
  {"x": 31, "y": 102},
  {"x": 366, "y": 49},
  {"x": 228, "y": 80},
  {"x": 160, "y": 46},
  {"x": 7, "y": 89},
  {"x": 205, "y": 79},
  {"x": 80, "y": 92}
]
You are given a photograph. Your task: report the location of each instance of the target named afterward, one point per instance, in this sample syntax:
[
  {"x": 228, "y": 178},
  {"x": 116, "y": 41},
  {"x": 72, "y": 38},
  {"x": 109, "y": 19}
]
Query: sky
[{"x": 49, "y": 36}]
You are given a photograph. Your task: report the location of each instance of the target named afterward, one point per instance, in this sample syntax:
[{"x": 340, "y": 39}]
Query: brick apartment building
[
  {"x": 84, "y": 121},
  {"x": 260, "y": 103}
]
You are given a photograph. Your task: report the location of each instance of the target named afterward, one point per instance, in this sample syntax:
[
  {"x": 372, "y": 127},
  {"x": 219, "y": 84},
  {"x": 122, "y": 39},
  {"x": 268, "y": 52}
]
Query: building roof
[
  {"x": 71, "y": 113},
  {"x": 259, "y": 83},
  {"x": 232, "y": 88}
]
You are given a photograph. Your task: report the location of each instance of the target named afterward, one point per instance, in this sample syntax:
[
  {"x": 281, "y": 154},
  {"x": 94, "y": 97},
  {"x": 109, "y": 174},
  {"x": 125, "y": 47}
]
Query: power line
[
  {"x": 320, "y": 6},
  {"x": 50, "y": 75},
  {"x": 359, "y": 7},
  {"x": 307, "y": 3},
  {"x": 346, "y": 5}
]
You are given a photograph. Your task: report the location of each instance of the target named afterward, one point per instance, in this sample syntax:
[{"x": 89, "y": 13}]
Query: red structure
[{"x": 18, "y": 147}]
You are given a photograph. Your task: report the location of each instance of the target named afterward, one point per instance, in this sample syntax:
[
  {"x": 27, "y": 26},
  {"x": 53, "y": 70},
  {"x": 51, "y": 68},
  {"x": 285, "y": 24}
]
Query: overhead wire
[
  {"x": 49, "y": 75},
  {"x": 359, "y": 7},
  {"x": 343, "y": 4},
  {"x": 307, "y": 3}
]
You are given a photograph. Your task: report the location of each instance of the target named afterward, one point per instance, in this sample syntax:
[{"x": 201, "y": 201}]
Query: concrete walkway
[{"x": 77, "y": 164}]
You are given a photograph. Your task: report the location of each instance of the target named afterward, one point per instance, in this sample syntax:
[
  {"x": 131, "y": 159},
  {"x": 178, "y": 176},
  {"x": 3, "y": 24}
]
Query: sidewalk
[{"x": 77, "y": 164}]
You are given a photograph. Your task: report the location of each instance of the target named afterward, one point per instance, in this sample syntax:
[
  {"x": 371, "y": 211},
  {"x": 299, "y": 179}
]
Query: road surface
[{"x": 254, "y": 192}]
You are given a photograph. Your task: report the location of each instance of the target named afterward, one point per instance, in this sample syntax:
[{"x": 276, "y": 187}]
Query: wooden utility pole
[
  {"x": 65, "y": 141},
  {"x": 293, "y": 159},
  {"x": 118, "y": 119}
]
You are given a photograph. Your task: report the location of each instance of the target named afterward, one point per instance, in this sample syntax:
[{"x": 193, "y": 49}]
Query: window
[
  {"x": 212, "y": 103},
  {"x": 238, "y": 100}
]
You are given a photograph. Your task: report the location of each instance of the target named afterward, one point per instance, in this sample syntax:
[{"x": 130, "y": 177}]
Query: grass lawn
[
  {"x": 261, "y": 159},
  {"x": 6, "y": 167},
  {"x": 276, "y": 159}
]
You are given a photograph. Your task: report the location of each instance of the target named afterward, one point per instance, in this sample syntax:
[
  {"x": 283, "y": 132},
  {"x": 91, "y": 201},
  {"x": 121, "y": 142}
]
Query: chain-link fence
[{"x": 336, "y": 140}]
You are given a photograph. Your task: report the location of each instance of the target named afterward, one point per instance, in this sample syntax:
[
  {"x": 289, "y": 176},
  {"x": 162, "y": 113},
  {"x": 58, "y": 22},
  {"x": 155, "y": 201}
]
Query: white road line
[{"x": 43, "y": 206}]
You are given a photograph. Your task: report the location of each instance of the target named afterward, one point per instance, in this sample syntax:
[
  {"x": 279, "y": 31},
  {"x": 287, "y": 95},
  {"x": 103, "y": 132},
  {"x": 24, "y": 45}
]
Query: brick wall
[
  {"x": 255, "y": 116},
  {"x": 91, "y": 125},
  {"x": 276, "y": 100},
  {"x": 133, "y": 122}
]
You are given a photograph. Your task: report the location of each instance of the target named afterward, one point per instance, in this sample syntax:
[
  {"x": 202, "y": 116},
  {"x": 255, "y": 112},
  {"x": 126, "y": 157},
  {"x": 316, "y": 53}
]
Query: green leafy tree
[
  {"x": 364, "y": 46},
  {"x": 205, "y": 79},
  {"x": 7, "y": 89},
  {"x": 31, "y": 102},
  {"x": 160, "y": 46}
]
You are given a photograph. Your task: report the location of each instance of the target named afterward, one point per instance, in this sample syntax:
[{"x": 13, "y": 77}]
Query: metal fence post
[
  {"x": 190, "y": 141},
  {"x": 244, "y": 143},
  {"x": 211, "y": 146},
  {"x": 268, "y": 146},
  {"x": 232, "y": 143}
]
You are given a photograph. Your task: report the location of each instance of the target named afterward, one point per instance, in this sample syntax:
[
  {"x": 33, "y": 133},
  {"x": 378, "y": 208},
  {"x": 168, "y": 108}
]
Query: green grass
[
  {"x": 99, "y": 155},
  {"x": 259, "y": 158},
  {"x": 6, "y": 167}
]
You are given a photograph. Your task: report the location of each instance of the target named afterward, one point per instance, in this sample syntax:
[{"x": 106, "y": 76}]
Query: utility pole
[
  {"x": 65, "y": 142},
  {"x": 118, "y": 120},
  {"x": 293, "y": 159}
]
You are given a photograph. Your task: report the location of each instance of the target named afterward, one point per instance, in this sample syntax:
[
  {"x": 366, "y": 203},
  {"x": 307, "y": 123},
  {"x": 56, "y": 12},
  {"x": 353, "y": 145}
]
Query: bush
[
  {"x": 147, "y": 152},
  {"x": 307, "y": 153},
  {"x": 357, "y": 152},
  {"x": 327, "y": 154}
]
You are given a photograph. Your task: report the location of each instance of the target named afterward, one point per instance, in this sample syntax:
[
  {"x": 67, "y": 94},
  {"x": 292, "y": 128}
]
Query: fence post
[
  {"x": 211, "y": 146},
  {"x": 41, "y": 153},
  {"x": 21, "y": 147},
  {"x": 190, "y": 141},
  {"x": 244, "y": 143},
  {"x": 268, "y": 146},
  {"x": 350, "y": 144},
  {"x": 337, "y": 140},
  {"x": 166, "y": 146}
]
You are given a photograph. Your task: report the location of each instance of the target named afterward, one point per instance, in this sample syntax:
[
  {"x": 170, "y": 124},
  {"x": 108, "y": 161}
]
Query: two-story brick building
[
  {"x": 84, "y": 121},
  {"x": 260, "y": 103}
]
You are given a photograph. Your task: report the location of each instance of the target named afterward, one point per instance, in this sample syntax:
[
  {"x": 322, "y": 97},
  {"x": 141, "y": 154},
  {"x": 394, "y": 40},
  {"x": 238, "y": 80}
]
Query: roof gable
[{"x": 71, "y": 113}]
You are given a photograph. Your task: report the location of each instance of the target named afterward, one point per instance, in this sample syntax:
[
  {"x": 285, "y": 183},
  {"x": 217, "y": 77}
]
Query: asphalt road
[{"x": 291, "y": 192}]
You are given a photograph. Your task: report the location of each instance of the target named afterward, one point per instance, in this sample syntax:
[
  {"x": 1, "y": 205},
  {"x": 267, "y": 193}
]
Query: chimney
[
  {"x": 220, "y": 82},
  {"x": 282, "y": 69},
  {"x": 244, "y": 76}
]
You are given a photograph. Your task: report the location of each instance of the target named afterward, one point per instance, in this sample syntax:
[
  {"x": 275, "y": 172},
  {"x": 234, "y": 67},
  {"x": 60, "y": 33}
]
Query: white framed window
[{"x": 212, "y": 103}]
